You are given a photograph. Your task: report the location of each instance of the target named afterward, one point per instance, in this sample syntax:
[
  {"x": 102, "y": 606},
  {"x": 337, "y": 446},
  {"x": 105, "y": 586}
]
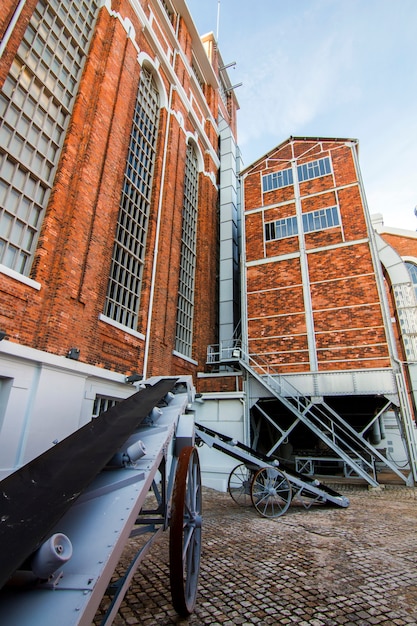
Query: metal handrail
[
  {"x": 305, "y": 406},
  {"x": 328, "y": 424}
]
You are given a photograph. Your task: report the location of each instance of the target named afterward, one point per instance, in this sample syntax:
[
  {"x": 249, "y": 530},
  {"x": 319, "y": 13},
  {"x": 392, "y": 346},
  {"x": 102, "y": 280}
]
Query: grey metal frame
[
  {"x": 101, "y": 521},
  {"x": 302, "y": 487},
  {"x": 322, "y": 420}
]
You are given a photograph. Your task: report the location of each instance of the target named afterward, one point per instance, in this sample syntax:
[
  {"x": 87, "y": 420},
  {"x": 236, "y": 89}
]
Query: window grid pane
[
  {"x": 35, "y": 103},
  {"x": 185, "y": 307},
  {"x": 321, "y": 219},
  {"x": 102, "y": 404},
  {"x": 168, "y": 11},
  {"x": 122, "y": 302},
  {"x": 306, "y": 171},
  {"x": 314, "y": 169},
  {"x": 276, "y": 180},
  {"x": 313, "y": 221}
]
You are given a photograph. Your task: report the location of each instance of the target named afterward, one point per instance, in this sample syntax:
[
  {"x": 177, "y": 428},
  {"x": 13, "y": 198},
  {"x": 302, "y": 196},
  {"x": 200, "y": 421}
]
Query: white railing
[{"x": 229, "y": 350}]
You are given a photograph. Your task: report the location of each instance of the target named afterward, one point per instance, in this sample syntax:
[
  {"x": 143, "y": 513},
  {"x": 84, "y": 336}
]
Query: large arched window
[
  {"x": 125, "y": 282},
  {"x": 185, "y": 306},
  {"x": 36, "y": 102},
  {"x": 412, "y": 270}
]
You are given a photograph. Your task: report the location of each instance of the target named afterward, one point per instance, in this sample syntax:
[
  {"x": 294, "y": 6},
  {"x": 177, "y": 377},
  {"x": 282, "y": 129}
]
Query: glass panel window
[
  {"x": 168, "y": 10},
  {"x": 280, "y": 229},
  {"x": 313, "y": 221},
  {"x": 276, "y": 180},
  {"x": 185, "y": 306},
  {"x": 321, "y": 219},
  {"x": 102, "y": 404},
  {"x": 314, "y": 169},
  {"x": 197, "y": 74},
  {"x": 123, "y": 293},
  {"x": 36, "y": 103},
  {"x": 306, "y": 171}
]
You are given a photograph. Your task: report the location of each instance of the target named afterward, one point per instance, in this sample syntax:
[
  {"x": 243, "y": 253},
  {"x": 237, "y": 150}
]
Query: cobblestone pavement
[{"x": 321, "y": 567}]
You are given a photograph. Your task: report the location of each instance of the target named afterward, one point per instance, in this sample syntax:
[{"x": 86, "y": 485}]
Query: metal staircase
[{"x": 321, "y": 419}]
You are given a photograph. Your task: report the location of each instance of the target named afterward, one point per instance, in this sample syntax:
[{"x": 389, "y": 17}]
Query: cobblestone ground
[{"x": 321, "y": 567}]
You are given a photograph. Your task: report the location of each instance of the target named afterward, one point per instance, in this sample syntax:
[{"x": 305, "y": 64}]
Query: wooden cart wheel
[
  {"x": 239, "y": 485},
  {"x": 270, "y": 492},
  {"x": 185, "y": 532}
]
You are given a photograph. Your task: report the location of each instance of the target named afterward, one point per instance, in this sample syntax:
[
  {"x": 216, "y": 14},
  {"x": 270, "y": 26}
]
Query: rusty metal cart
[{"x": 262, "y": 482}]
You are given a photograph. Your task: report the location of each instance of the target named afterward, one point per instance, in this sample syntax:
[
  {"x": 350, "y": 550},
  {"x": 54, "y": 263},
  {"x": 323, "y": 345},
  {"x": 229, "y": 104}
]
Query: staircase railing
[{"x": 324, "y": 421}]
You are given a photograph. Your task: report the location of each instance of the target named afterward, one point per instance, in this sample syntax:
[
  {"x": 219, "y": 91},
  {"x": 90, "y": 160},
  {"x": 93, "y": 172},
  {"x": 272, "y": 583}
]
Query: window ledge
[
  {"x": 125, "y": 329},
  {"x": 185, "y": 358},
  {"x": 20, "y": 277}
]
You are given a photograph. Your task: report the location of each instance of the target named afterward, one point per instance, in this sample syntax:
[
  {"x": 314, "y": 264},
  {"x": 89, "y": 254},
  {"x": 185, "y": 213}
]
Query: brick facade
[
  {"x": 72, "y": 260},
  {"x": 313, "y": 300},
  {"x": 405, "y": 243}
]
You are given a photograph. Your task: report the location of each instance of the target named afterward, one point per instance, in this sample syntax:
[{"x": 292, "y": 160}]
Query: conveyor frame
[
  {"x": 271, "y": 475},
  {"x": 103, "y": 518}
]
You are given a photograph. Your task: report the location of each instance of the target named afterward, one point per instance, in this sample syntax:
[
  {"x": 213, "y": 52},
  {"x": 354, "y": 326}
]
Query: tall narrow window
[
  {"x": 36, "y": 102},
  {"x": 123, "y": 293},
  {"x": 185, "y": 307}
]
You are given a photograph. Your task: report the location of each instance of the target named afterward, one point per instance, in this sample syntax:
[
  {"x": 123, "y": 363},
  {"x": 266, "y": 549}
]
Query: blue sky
[{"x": 327, "y": 68}]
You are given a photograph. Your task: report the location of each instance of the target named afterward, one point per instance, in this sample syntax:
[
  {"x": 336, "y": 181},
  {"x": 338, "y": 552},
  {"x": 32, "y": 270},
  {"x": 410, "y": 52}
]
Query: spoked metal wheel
[
  {"x": 239, "y": 484},
  {"x": 270, "y": 492},
  {"x": 185, "y": 532}
]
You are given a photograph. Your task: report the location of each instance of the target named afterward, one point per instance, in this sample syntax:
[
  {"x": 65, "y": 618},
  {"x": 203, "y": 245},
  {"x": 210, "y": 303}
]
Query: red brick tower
[
  {"x": 319, "y": 337},
  {"x": 312, "y": 294}
]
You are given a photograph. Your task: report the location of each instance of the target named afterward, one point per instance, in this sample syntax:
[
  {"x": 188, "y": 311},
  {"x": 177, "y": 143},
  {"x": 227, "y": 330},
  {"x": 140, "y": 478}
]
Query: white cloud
[{"x": 335, "y": 68}]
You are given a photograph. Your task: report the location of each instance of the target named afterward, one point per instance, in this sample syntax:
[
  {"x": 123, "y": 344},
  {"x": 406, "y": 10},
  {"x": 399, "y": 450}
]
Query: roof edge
[{"x": 294, "y": 138}]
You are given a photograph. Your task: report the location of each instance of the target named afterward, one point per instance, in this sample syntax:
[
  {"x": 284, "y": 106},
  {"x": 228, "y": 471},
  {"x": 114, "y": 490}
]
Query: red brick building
[
  {"x": 316, "y": 319},
  {"x": 120, "y": 222},
  {"x": 397, "y": 251},
  {"x": 111, "y": 119},
  {"x": 312, "y": 293}
]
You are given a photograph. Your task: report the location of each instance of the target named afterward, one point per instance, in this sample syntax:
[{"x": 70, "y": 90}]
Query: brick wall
[
  {"x": 341, "y": 297},
  {"x": 73, "y": 256},
  {"x": 221, "y": 384},
  {"x": 406, "y": 246}
]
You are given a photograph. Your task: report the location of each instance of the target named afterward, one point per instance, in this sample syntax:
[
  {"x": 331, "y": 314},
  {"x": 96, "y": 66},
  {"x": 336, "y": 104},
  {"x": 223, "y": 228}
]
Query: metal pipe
[
  {"x": 52, "y": 554},
  {"x": 376, "y": 433},
  {"x": 10, "y": 27},
  {"x": 244, "y": 316}
]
